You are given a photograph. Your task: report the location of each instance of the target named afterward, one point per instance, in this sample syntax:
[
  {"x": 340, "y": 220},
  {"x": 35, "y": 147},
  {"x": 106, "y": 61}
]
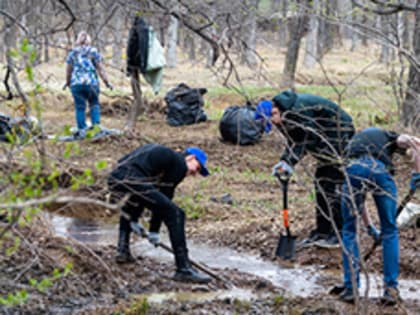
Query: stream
[{"x": 301, "y": 281}]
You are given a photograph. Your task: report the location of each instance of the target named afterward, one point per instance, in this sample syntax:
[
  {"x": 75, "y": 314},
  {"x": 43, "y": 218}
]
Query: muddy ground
[{"x": 249, "y": 222}]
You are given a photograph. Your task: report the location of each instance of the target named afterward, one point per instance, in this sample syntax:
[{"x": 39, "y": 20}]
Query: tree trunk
[
  {"x": 384, "y": 21},
  {"x": 406, "y": 30},
  {"x": 327, "y": 31},
  {"x": 172, "y": 41},
  {"x": 297, "y": 29},
  {"x": 275, "y": 5},
  {"x": 363, "y": 36},
  {"x": 138, "y": 106},
  {"x": 411, "y": 105},
  {"x": 189, "y": 45},
  {"x": 284, "y": 25},
  {"x": 46, "y": 49},
  {"x": 117, "y": 42},
  {"x": 250, "y": 35},
  {"x": 10, "y": 43},
  {"x": 311, "y": 53},
  {"x": 209, "y": 51}
]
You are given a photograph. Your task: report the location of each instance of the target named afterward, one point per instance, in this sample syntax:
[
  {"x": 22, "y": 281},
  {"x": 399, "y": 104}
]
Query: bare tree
[
  {"x": 297, "y": 31},
  {"x": 250, "y": 34},
  {"x": 410, "y": 110},
  {"x": 172, "y": 42},
  {"x": 311, "y": 48}
]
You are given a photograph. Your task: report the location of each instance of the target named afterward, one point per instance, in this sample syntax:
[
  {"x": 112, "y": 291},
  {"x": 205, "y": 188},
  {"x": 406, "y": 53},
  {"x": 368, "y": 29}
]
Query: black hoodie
[
  {"x": 138, "y": 46},
  {"x": 312, "y": 124}
]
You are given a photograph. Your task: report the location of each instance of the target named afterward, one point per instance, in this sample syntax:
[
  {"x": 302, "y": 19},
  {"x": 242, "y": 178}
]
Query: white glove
[
  {"x": 154, "y": 238},
  {"x": 282, "y": 168}
]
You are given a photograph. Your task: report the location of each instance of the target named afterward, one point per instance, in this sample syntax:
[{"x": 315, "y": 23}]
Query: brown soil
[{"x": 252, "y": 223}]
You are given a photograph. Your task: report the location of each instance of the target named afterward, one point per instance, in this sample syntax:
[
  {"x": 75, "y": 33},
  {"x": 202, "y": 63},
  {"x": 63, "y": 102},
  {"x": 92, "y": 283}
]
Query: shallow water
[{"x": 296, "y": 281}]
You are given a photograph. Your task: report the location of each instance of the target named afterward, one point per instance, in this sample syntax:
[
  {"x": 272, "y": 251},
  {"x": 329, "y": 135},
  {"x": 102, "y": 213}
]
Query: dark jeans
[
  {"x": 328, "y": 181},
  {"x": 367, "y": 174},
  {"x": 147, "y": 195},
  {"x": 81, "y": 94}
]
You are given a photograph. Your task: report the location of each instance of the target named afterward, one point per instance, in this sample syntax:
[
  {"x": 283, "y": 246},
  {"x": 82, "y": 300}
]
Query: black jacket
[
  {"x": 153, "y": 164},
  {"x": 312, "y": 124},
  {"x": 150, "y": 167},
  {"x": 374, "y": 142},
  {"x": 138, "y": 46}
]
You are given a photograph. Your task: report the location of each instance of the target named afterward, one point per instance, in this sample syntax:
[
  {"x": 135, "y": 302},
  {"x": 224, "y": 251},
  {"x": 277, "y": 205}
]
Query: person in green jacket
[{"x": 318, "y": 126}]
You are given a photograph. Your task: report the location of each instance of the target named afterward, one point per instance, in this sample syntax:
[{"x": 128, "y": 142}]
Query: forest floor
[{"x": 250, "y": 224}]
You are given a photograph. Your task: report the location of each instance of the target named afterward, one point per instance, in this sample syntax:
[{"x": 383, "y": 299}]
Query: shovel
[{"x": 286, "y": 247}]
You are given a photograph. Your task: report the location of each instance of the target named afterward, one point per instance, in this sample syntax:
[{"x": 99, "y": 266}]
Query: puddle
[
  {"x": 298, "y": 281},
  {"x": 235, "y": 293}
]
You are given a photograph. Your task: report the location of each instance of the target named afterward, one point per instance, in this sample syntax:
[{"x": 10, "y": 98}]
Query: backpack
[
  {"x": 185, "y": 105},
  {"x": 239, "y": 126}
]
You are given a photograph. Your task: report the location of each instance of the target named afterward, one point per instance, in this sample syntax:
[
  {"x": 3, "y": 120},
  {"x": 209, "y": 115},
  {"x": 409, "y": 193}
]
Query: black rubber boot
[
  {"x": 185, "y": 272},
  {"x": 123, "y": 250}
]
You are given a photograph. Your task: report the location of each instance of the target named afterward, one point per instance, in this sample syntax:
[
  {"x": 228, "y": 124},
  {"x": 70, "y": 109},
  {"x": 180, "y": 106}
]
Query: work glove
[
  {"x": 282, "y": 170},
  {"x": 154, "y": 238},
  {"x": 138, "y": 229},
  {"x": 415, "y": 181},
  {"x": 374, "y": 233}
]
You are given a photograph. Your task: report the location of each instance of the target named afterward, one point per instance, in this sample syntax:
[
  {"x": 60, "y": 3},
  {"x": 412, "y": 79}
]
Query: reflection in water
[
  {"x": 86, "y": 231},
  {"x": 298, "y": 281},
  {"x": 234, "y": 293}
]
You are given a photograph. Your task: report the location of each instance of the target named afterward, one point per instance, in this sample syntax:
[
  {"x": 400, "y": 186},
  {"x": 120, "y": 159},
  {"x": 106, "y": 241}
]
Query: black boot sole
[{"x": 124, "y": 259}]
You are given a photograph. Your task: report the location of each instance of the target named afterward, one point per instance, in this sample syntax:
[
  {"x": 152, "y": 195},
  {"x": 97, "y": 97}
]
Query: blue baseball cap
[
  {"x": 201, "y": 157},
  {"x": 263, "y": 111}
]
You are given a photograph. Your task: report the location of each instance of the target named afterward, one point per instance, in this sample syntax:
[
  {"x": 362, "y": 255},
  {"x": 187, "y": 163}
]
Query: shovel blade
[{"x": 286, "y": 247}]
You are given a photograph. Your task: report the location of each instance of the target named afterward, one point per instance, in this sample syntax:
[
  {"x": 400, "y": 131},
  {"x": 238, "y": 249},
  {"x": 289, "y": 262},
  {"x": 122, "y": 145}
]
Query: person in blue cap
[
  {"x": 150, "y": 174},
  {"x": 263, "y": 113},
  {"x": 317, "y": 126}
]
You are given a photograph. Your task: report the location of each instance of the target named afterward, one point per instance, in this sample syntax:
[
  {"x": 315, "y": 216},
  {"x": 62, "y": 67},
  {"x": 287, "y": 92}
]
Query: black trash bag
[
  {"x": 185, "y": 105},
  {"x": 5, "y": 127},
  {"x": 15, "y": 129},
  {"x": 239, "y": 126}
]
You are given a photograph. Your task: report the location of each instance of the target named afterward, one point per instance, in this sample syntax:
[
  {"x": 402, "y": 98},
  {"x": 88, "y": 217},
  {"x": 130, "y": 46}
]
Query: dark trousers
[
  {"x": 146, "y": 195},
  {"x": 328, "y": 181}
]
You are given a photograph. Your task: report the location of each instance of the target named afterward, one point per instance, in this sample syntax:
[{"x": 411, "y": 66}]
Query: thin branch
[
  {"x": 73, "y": 18},
  {"x": 63, "y": 199},
  {"x": 15, "y": 21},
  {"x": 393, "y": 8},
  {"x": 400, "y": 6}
]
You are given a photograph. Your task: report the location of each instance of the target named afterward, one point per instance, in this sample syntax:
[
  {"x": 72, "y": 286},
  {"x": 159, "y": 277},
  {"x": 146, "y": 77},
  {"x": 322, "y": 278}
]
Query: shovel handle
[{"x": 286, "y": 218}]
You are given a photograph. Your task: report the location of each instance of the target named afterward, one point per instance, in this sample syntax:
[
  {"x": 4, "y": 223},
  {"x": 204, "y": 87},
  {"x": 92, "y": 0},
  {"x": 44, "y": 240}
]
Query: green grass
[{"x": 254, "y": 92}]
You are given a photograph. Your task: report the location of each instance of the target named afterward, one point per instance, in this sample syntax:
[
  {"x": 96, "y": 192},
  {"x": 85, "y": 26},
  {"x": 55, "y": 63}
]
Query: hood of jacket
[{"x": 285, "y": 100}]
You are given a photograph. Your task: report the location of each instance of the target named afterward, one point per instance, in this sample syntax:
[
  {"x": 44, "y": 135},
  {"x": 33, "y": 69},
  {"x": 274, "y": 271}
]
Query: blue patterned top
[{"x": 84, "y": 60}]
